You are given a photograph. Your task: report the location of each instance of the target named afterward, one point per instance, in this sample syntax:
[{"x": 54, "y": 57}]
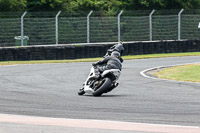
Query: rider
[
  {"x": 117, "y": 47},
  {"x": 109, "y": 62}
]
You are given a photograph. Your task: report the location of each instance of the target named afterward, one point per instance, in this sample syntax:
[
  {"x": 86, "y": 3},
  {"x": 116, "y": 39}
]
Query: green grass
[
  {"x": 161, "y": 55},
  {"x": 181, "y": 73},
  {"x": 130, "y": 57}
]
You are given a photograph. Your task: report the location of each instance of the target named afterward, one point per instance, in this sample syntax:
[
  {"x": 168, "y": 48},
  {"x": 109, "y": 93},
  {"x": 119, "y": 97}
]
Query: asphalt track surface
[{"x": 50, "y": 90}]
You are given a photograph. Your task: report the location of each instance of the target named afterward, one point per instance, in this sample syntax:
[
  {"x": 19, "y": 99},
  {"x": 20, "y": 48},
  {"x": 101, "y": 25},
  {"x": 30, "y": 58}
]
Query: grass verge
[
  {"x": 130, "y": 57},
  {"x": 181, "y": 73}
]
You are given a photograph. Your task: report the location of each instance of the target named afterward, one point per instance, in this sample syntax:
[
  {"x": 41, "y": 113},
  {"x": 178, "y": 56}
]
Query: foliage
[
  {"x": 45, "y": 5},
  {"x": 101, "y": 5},
  {"x": 12, "y": 5}
]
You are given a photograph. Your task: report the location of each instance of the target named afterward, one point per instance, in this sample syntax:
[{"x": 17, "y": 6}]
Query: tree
[
  {"x": 12, "y": 5},
  {"x": 45, "y": 5},
  {"x": 99, "y": 5}
]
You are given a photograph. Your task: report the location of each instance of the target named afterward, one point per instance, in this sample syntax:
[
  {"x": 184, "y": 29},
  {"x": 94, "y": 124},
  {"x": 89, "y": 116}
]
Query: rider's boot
[
  {"x": 96, "y": 77},
  {"x": 97, "y": 74}
]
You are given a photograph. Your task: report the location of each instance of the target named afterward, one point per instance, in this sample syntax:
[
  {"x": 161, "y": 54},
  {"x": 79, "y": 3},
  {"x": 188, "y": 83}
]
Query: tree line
[{"x": 98, "y": 5}]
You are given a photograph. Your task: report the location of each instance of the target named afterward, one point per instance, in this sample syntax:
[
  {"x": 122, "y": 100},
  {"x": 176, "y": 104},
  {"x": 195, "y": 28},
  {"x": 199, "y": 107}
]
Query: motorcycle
[
  {"x": 108, "y": 79},
  {"x": 106, "y": 82}
]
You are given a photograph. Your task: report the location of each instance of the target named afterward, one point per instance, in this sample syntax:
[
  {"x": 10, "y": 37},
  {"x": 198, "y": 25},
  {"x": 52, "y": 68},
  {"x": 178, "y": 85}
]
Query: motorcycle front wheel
[
  {"x": 106, "y": 82},
  {"x": 81, "y": 91}
]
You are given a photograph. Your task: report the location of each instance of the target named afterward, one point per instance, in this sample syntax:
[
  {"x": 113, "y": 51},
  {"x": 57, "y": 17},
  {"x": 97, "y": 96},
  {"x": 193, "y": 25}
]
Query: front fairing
[{"x": 87, "y": 84}]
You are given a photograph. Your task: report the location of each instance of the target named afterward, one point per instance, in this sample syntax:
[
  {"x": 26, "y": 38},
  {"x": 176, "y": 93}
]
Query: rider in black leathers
[{"x": 109, "y": 62}]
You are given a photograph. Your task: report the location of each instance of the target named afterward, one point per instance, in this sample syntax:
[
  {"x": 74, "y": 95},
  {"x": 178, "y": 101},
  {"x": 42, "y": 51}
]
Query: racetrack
[{"x": 50, "y": 90}]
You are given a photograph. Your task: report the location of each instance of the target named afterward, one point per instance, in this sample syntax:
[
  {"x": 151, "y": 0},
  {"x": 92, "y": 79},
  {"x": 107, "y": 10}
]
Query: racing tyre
[
  {"x": 106, "y": 82},
  {"x": 81, "y": 92}
]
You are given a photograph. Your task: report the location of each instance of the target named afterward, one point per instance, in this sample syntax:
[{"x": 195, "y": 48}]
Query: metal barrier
[{"x": 58, "y": 28}]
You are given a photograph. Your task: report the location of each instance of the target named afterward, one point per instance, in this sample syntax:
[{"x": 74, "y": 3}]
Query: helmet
[{"x": 115, "y": 54}]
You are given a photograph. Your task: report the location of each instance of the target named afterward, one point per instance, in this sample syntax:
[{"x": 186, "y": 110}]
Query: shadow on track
[{"x": 106, "y": 96}]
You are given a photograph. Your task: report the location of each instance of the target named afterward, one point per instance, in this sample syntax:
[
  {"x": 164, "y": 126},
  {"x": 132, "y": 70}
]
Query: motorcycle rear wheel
[{"x": 103, "y": 88}]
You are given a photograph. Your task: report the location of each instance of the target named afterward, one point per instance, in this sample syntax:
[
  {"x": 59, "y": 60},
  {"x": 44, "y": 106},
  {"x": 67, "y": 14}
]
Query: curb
[{"x": 145, "y": 74}]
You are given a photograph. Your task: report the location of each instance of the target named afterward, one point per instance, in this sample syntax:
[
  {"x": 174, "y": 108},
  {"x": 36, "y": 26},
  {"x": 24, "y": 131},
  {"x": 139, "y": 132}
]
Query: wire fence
[{"x": 47, "y": 28}]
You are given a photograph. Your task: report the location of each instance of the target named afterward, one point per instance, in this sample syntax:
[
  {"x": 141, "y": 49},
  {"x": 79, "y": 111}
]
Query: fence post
[
  {"x": 88, "y": 27},
  {"x": 150, "y": 25},
  {"x": 119, "y": 25},
  {"x": 179, "y": 24},
  {"x": 22, "y": 28},
  {"x": 57, "y": 26}
]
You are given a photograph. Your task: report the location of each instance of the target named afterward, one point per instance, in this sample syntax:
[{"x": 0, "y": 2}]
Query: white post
[
  {"x": 22, "y": 28},
  {"x": 57, "y": 26},
  {"x": 150, "y": 25},
  {"x": 119, "y": 25},
  {"x": 88, "y": 27},
  {"x": 179, "y": 24}
]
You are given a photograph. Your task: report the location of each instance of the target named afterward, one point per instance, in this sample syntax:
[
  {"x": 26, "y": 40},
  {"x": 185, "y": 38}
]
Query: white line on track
[
  {"x": 97, "y": 124},
  {"x": 154, "y": 68}
]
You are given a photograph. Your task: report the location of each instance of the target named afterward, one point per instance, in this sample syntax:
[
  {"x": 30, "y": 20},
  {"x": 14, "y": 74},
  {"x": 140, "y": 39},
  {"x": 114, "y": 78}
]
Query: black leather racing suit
[{"x": 109, "y": 62}]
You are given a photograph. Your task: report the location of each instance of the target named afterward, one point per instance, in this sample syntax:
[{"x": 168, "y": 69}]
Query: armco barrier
[{"x": 59, "y": 52}]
